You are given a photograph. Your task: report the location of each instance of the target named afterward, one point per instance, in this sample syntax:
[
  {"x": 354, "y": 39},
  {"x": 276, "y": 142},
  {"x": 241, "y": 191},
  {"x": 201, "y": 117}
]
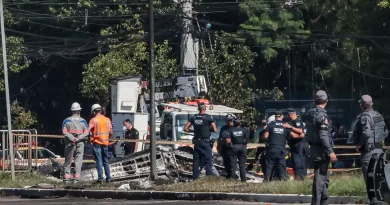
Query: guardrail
[{"x": 22, "y": 147}]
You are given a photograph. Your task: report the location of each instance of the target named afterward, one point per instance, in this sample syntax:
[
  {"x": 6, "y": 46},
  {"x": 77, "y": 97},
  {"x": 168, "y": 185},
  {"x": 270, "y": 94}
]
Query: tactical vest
[
  {"x": 310, "y": 119},
  {"x": 221, "y": 141},
  {"x": 379, "y": 127},
  {"x": 277, "y": 134},
  {"x": 238, "y": 135},
  {"x": 313, "y": 127},
  {"x": 201, "y": 126},
  {"x": 296, "y": 141}
]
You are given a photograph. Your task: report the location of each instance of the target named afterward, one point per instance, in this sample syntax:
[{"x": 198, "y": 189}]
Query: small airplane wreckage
[{"x": 172, "y": 165}]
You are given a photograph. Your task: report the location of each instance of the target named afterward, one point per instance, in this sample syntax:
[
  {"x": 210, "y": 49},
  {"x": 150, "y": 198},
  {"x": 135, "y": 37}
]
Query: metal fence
[{"x": 24, "y": 147}]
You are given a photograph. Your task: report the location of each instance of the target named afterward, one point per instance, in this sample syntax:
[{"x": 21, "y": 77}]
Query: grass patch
[
  {"x": 31, "y": 178},
  {"x": 24, "y": 179},
  {"x": 341, "y": 185}
]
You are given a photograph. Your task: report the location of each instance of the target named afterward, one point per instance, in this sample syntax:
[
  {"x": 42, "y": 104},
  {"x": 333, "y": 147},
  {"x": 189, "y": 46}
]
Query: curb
[{"x": 162, "y": 195}]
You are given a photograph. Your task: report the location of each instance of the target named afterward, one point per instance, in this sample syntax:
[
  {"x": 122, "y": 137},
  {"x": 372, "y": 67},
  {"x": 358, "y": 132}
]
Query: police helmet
[
  {"x": 230, "y": 116},
  {"x": 237, "y": 121},
  {"x": 271, "y": 118}
]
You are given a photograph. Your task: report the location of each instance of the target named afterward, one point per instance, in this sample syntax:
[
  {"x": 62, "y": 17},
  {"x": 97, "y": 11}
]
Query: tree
[
  {"x": 228, "y": 66},
  {"x": 22, "y": 119},
  {"x": 128, "y": 56},
  {"x": 270, "y": 26},
  {"x": 16, "y": 59}
]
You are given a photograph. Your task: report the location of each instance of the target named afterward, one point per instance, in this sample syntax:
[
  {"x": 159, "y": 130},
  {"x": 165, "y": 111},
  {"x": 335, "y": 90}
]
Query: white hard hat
[
  {"x": 271, "y": 118},
  {"x": 75, "y": 107},
  {"x": 95, "y": 107}
]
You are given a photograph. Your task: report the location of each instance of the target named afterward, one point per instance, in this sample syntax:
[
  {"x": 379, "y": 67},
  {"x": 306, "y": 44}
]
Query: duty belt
[
  {"x": 203, "y": 139},
  {"x": 276, "y": 145}
]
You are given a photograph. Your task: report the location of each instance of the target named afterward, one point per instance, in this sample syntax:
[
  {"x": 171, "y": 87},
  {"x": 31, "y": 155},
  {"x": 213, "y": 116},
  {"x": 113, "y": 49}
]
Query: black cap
[
  {"x": 291, "y": 110},
  {"x": 365, "y": 100},
  {"x": 201, "y": 105},
  {"x": 321, "y": 95},
  {"x": 279, "y": 113}
]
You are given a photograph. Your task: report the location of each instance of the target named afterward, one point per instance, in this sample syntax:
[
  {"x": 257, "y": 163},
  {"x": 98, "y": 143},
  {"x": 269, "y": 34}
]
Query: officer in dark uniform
[
  {"x": 222, "y": 148},
  {"x": 130, "y": 133},
  {"x": 276, "y": 149},
  {"x": 296, "y": 144},
  {"x": 321, "y": 151},
  {"x": 237, "y": 137},
  {"x": 203, "y": 126},
  {"x": 369, "y": 132}
]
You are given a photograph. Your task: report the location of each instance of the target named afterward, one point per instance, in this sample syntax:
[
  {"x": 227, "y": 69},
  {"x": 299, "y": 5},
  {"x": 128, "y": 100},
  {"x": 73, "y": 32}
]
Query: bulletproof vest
[
  {"x": 201, "y": 126},
  {"x": 295, "y": 141},
  {"x": 313, "y": 127},
  {"x": 357, "y": 131},
  {"x": 221, "y": 141},
  {"x": 277, "y": 134},
  {"x": 309, "y": 118},
  {"x": 238, "y": 135},
  {"x": 378, "y": 128}
]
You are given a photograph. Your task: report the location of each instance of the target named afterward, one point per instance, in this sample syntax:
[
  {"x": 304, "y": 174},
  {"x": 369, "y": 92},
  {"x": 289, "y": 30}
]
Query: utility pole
[
  {"x": 152, "y": 116},
  {"x": 189, "y": 46},
  {"x": 11, "y": 143}
]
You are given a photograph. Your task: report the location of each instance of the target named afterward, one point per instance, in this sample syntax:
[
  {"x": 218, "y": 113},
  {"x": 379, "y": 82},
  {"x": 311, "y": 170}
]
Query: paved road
[{"x": 77, "y": 201}]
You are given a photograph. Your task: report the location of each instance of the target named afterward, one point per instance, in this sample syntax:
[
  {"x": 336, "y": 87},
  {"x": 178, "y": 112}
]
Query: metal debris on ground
[
  {"x": 125, "y": 187},
  {"x": 134, "y": 169}
]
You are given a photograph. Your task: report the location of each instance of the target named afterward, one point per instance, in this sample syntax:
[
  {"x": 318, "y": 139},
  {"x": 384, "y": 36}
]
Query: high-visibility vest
[{"x": 101, "y": 130}]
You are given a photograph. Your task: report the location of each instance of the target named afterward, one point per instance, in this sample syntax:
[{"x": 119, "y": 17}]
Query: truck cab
[{"x": 176, "y": 116}]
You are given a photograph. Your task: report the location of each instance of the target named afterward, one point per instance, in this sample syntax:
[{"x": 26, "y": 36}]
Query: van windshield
[{"x": 182, "y": 119}]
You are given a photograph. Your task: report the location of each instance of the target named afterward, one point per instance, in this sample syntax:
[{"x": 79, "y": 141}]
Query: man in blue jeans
[
  {"x": 101, "y": 129},
  {"x": 203, "y": 126}
]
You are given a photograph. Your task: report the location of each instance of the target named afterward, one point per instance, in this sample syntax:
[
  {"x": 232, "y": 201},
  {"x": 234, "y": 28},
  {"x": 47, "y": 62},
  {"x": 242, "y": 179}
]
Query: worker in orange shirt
[{"x": 101, "y": 129}]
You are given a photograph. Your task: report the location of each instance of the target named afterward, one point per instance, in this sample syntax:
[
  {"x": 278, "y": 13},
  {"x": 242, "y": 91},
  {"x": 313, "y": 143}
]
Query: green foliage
[
  {"x": 271, "y": 27},
  {"x": 384, "y": 4},
  {"x": 274, "y": 94},
  {"x": 128, "y": 56},
  {"x": 165, "y": 66},
  {"x": 16, "y": 59},
  {"x": 229, "y": 68},
  {"x": 124, "y": 8},
  {"x": 21, "y": 118}
]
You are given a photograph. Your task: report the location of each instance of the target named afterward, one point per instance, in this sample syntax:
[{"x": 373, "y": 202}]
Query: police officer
[
  {"x": 369, "y": 132},
  {"x": 237, "y": 137},
  {"x": 203, "y": 126},
  {"x": 321, "y": 151},
  {"x": 261, "y": 151},
  {"x": 222, "y": 149},
  {"x": 130, "y": 133},
  {"x": 296, "y": 144},
  {"x": 276, "y": 149}
]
